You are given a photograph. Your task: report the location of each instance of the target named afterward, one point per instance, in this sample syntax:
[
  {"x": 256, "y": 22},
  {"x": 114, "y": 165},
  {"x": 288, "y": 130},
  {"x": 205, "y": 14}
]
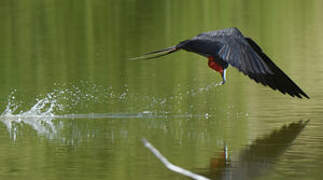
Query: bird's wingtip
[{"x": 303, "y": 94}]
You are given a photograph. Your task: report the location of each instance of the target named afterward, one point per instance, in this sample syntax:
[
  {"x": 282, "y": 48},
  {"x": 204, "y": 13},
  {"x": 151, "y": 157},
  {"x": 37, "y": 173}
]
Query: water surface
[{"x": 74, "y": 107}]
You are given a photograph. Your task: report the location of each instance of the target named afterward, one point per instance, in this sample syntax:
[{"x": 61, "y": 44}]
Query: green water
[{"x": 74, "y": 107}]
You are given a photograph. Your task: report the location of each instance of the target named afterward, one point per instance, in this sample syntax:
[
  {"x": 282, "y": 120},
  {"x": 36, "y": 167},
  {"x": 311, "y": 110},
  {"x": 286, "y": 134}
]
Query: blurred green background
[{"x": 81, "y": 48}]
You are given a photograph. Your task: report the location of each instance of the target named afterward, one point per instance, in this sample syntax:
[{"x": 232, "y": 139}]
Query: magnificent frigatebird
[{"x": 229, "y": 46}]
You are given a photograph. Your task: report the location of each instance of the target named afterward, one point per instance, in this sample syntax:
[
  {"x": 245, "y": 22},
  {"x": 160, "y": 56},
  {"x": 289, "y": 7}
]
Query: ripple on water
[{"x": 64, "y": 100}]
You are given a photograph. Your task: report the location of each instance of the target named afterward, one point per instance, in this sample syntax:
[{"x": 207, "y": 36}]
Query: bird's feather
[
  {"x": 230, "y": 46},
  {"x": 156, "y": 54}
]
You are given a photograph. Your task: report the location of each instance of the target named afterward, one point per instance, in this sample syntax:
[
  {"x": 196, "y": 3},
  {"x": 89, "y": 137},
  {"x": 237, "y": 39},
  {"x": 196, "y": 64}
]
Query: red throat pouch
[{"x": 212, "y": 64}]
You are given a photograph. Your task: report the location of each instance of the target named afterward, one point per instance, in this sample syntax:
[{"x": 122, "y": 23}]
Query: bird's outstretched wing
[
  {"x": 278, "y": 80},
  {"x": 244, "y": 54}
]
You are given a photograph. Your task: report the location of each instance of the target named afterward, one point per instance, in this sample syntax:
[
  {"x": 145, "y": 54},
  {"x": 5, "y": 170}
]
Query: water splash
[
  {"x": 80, "y": 100},
  {"x": 40, "y": 116},
  {"x": 41, "y": 112}
]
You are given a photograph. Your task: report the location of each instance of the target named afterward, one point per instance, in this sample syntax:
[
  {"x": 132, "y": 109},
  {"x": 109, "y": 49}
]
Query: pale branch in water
[{"x": 171, "y": 166}]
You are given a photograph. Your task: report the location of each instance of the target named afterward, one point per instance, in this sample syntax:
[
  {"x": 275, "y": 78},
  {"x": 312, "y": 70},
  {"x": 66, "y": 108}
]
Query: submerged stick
[{"x": 171, "y": 166}]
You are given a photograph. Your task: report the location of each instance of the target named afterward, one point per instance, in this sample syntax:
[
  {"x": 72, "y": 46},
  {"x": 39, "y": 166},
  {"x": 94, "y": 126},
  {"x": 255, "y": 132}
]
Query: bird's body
[{"x": 229, "y": 47}]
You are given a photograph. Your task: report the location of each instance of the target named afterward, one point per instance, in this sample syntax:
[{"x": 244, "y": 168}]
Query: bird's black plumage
[{"x": 229, "y": 46}]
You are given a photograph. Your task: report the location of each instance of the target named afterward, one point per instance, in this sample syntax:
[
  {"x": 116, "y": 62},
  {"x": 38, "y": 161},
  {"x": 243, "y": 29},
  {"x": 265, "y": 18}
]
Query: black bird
[{"x": 229, "y": 47}]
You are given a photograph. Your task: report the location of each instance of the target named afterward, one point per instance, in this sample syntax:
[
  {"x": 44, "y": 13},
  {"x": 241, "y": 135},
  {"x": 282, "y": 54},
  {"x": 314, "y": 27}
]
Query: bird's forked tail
[{"x": 157, "y": 54}]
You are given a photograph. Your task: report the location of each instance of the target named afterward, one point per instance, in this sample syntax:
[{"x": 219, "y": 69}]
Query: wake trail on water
[
  {"x": 64, "y": 102},
  {"x": 40, "y": 116}
]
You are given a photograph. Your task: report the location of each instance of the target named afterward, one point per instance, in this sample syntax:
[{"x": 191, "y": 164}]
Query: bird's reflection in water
[{"x": 256, "y": 159}]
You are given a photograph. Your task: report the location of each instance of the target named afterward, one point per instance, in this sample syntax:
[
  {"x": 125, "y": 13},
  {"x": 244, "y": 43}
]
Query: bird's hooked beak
[{"x": 223, "y": 75}]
